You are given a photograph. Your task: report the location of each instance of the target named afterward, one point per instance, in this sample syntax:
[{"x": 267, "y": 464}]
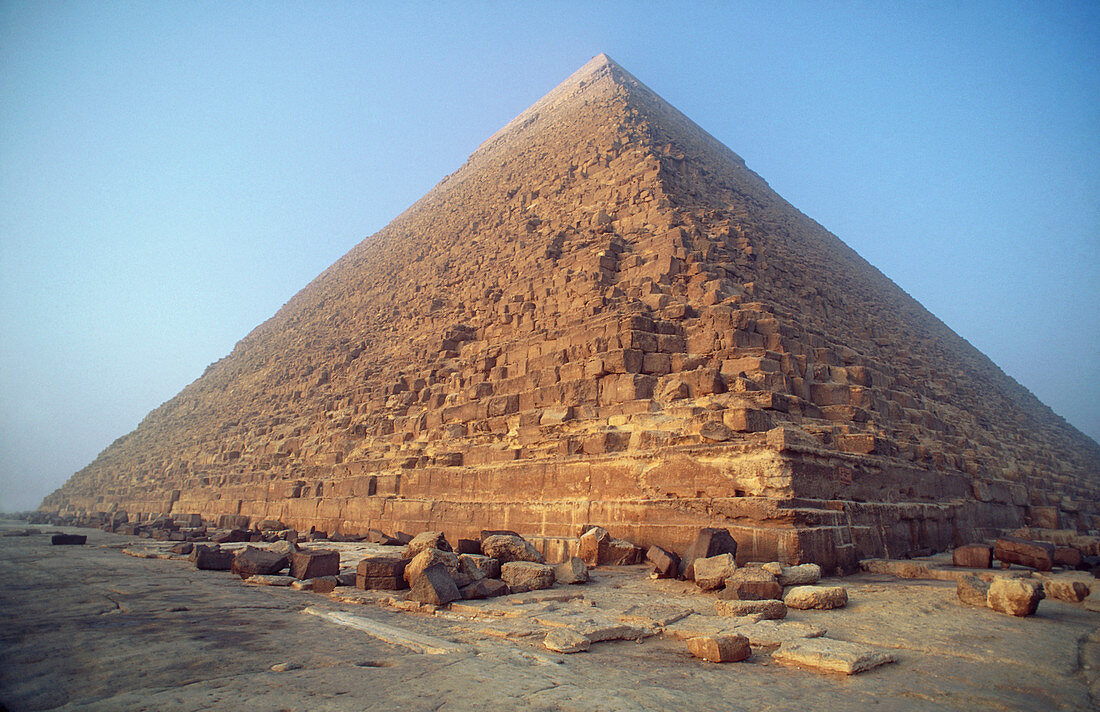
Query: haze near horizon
[{"x": 170, "y": 176}]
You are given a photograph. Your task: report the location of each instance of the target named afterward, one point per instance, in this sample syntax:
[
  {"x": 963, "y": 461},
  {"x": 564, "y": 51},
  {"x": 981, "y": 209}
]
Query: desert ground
[{"x": 91, "y": 628}]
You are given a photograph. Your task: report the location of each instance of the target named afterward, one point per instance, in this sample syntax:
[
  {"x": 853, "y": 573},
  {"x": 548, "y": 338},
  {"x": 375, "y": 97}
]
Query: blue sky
[{"x": 171, "y": 173}]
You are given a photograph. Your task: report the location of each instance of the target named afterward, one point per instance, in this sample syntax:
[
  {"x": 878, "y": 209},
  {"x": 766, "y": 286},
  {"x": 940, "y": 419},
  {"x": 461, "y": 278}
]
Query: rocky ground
[{"x": 89, "y": 628}]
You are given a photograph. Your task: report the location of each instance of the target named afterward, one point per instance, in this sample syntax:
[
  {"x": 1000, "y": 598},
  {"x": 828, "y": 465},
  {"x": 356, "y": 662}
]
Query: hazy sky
[{"x": 171, "y": 173}]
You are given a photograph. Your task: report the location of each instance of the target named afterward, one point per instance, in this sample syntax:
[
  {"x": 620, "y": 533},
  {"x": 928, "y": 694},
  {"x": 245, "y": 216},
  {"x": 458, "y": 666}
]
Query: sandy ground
[{"x": 89, "y": 628}]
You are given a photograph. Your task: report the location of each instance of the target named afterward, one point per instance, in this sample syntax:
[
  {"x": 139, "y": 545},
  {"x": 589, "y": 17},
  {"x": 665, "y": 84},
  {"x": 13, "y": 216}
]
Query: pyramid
[{"x": 604, "y": 317}]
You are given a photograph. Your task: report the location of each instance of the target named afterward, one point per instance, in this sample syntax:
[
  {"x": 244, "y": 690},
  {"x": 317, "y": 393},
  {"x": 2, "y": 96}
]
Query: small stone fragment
[
  {"x": 563, "y": 640},
  {"x": 972, "y": 591},
  {"x": 801, "y": 575},
  {"x": 720, "y": 648},
  {"x": 771, "y": 610},
  {"x": 973, "y": 556},
  {"x": 522, "y": 576},
  {"x": 285, "y": 667},
  {"x": 665, "y": 563},
  {"x": 573, "y": 571},
  {"x": 816, "y": 597},
  {"x": 1015, "y": 596},
  {"x": 711, "y": 573}
]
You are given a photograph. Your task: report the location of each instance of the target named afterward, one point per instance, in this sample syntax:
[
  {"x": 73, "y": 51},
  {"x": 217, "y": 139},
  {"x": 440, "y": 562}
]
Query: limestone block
[
  {"x": 563, "y": 640},
  {"x": 816, "y": 597},
  {"x": 827, "y": 655},
  {"x": 426, "y": 540},
  {"x": 1034, "y": 554},
  {"x": 523, "y": 576},
  {"x": 434, "y": 585},
  {"x": 769, "y": 609},
  {"x": 506, "y": 547},
  {"x": 573, "y": 571},
  {"x": 972, "y": 556},
  {"x": 665, "y": 563},
  {"x": 800, "y": 575},
  {"x": 711, "y": 573},
  {"x": 720, "y": 648},
  {"x": 751, "y": 584},
  {"x": 250, "y": 561},
  {"x": 314, "y": 563},
  {"x": 1017, "y": 597},
  {"x": 709, "y": 542},
  {"x": 972, "y": 591}
]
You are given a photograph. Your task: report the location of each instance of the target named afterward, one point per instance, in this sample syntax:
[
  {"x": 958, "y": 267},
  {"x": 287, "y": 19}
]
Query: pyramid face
[{"x": 604, "y": 317}]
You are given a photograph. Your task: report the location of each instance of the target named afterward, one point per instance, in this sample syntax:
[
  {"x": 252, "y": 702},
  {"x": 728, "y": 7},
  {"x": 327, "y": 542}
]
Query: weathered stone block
[
  {"x": 1034, "y": 554},
  {"x": 434, "y": 585},
  {"x": 508, "y": 547},
  {"x": 1017, "y": 597},
  {"x": 816, "y": 597},
  {"x": 972, "y": 556},
  {"x": 772, "y": 610},
  {"x": 709, "y": 542},
  {"x": 751, "y": 584},
  {"x": 485, "y": 588},
  {"x": 720, "y": 648},
  {"x": 426, "y": 540},
  {"x": 711, "y": 573},
  {"x": 314, "y": 563},
  {"x": 250, "y": 561},
  {"x": 665, "y": 563},
  {"x": 972, "y": 591},
  {"x": 573, "y": 571},
  {"x": 209, "y": 559},
  {"x": 801, "y": 575},
  {"x": 522, "y": 576}
]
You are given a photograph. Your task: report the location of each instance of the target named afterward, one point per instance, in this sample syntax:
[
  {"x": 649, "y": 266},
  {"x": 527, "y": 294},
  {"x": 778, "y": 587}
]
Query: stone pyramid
[{"x": 603, "y": 317}]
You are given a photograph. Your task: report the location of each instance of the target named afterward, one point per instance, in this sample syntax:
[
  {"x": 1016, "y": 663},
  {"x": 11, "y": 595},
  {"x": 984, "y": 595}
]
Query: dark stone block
[
  {"x": 973, "y": 556},
  {"x": 233, "y": 536},
  {"x": 1034, "y": 554},
  {"x": 210, "y": 559},
  {"x": 251, "y": 561},
  {"x": 434, "y": 585},
  {"x": 382, "y": 566},
  {"x": 485, "y": 588},
  {"x": 468, "y": 546},
  {"x": 665, "y": 563},
  {"x": 710, "y": 542},
  {"x": 314, "y": 563},
  {"x": 68, "y": 539}
]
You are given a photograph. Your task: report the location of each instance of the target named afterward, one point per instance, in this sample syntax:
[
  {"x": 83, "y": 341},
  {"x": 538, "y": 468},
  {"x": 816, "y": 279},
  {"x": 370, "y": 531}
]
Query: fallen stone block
[
  {"x": 720, "y": 648},
  {"x": 323, "y": 584},
  {"x": 573, "y": 571},
  {"x": 477, "y": 566},
  {"x": 431, "y": 557},
  {"x": 773, "y": 633},
  {"x": 233, "y": 536},
  {"x": 711, "y": 573},
  {"x": 251, "y": 561},
  {"x": 592, "y": 546},
  {"x": 371, "y": 566},
  {"x": 210, "y": 559},
  {"x": 507, "y": 547},
  {"x": 1067, "y": 556},
  {"x": 1015, "y": 596},
  {"x": 816, "y": 597},
  {"x": 665, "y": 563},
  {"x": 68, "y": 539},
  {"x": 972, "y": 591},
  {"x": 801, "y": 575},
  {"x": 1023, "y": 552},
  {"x": 484, "y": 588},
  {"x": 183, "y": 549},
  {"x": 467, "y": 546},
  {"x": 771, "y": 610},
  {"x": 284, "y": 546},
  {"x": 434, "y": 585},
  {"x": 314, "y": 563},
  {"x": 426, "y": 540},
  {"x": 972, "y": 556},
  {"x": 829, "y": 655},
  {"x": 709, "y": 542},
  {"x": 621, "y": 552},
  {"x": 523, "y": 576},
  {"x": 376, "y": 536},
  {"x": 751, "y": 584},
  {"x": 563, "y": 640},
  {"x": 1067, "y": 590},
  {"x": 380, "y": 583}
]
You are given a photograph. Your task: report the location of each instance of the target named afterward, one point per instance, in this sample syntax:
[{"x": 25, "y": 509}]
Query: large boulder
[
  {"x": 434, "y": 585},
  {"x": 1024, "y": 552},
  {"x": 251, "y": 561},
  {"x": 709, "y": 542},
  {"x": 426, "y": 540},
  {"x": 522, "y": 576},
  {"x": 433, "y": 557},
  {"x": 1015, "y": 596},
  {"x": 509, "y": 547},
  {"x": 314, "y": 563}
]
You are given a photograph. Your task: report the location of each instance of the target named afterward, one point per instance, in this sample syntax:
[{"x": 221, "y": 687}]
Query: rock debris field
[{"x": 91, "y": 628}]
